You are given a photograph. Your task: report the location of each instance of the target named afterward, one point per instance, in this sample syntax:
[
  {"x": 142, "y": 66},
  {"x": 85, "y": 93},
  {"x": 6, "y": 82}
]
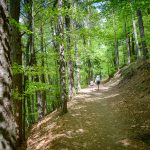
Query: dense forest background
[{"x": 56, "y": 47}]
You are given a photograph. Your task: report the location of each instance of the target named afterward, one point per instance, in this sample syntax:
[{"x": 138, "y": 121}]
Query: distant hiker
[
  {"x": 97, "y": 80},
  {"x": 91, "y": 84}
]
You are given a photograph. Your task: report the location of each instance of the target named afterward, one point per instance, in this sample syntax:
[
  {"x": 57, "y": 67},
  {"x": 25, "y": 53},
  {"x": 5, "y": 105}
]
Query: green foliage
[
  {"x": 17, "y": 69},
  {"x": 91, "y": 30},
  {"x": 20, "y": 25},
  {"x": 16, "y": 95},
  {"x": 36, "y": 86}
]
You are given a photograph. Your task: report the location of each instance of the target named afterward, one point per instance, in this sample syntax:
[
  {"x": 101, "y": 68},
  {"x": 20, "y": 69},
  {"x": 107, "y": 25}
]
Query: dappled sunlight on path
[{"x": 96, "y": 121}]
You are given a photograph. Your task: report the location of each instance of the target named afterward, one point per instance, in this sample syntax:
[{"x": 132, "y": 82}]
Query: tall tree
[
  {"x": 33, "y": 63},
  {"x": 43, "y": 92},
  {"x": 133, "y": 53},
  {"x": 71, "y": 88},
  {"x": 135, "y": 31},
  {"x": 142, "y": 35},
  {"x": 28, "y": 99},
  {"x": 116, "y": 43},
  {"x": 7, "y": 122},
  {"x": 17, "y": 60},
  {"x": 62, "y": 63},
  {"x": 78, "y": 86},
  {"x": 127, "y": 44}
]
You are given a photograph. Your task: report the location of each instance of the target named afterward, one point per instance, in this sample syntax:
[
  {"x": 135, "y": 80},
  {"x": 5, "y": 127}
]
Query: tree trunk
[
  {"x": 132, "y": 46},
  {"x": 127, "y": 44},
  {"x": 116, "y": 44},
  {"x": 55, "y": 34},
  {"x": 136, "y": 39},
  {"x": 43, "y": 76},
  {"x": 90, "y": 71},
  {"x": 71, "y": 88},
  {"x": 7, "y": 122},
  {"x": 62, "y": 63},
  {"x": 135, "y": 33},
  {"x": 78, "y": 68},
  {"x": 29, "y": 108},
  {"x": 142, "y": 35},
  {"x": 29, "y": 48},
  {"x": 32, "y": 47},
  {"x": 89, "y": 63},
  {"x": 33, "y": 62},
  {"x": 39, "y": 104},
  {"x": 78, "y": 86},
  {"x": 17, "y": 59}
]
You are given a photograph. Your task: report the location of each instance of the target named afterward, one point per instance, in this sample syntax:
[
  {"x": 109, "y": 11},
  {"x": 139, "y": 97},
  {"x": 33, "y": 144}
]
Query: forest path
[{"x": 97, "y": 120}]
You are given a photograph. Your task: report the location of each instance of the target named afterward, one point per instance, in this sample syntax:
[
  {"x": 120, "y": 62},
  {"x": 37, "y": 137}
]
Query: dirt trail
[{"x": 97, "y": 120}]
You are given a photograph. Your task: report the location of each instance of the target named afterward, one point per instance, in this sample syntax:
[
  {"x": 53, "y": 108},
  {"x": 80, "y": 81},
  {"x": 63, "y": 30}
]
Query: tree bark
[
  {"x": 89, "y": 64},
  {"x": 136, "y": 40},
  {"x": 32, "y": 47},
  {"x": 77, "y": 68},
  {"x": 132, "y": 46},
  {"x": 78, "y": 86},
  {"x": 135, "y": 32},
  {"x": 127, "y": 44},
  {"x": 43, "y": 76},
  {"x": 71, "y": 87},
  {"x": 30, "y": 59},
  {"x": 90, "y": 71},
  {"x": 71, "y": 90},
  {"x": 39, "y": 94},
  {"x": 17, "y": 60},
  {"x": 142, "y": 35},
  {"x": 116, "y": 44},
  {"x": 7, "y": 122},
  {"x": 62, "y": 63},
  {"x": 33, "y": 62}
]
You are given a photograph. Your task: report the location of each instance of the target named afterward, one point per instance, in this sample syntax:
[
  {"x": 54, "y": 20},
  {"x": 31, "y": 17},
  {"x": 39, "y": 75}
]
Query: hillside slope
[
  {"x": 134, "y": 87},
  {"x": 116, "y": 117}
]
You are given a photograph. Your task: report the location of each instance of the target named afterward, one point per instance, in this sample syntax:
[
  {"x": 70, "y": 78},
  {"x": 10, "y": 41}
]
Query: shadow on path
[{"x": 97, "y": 120}]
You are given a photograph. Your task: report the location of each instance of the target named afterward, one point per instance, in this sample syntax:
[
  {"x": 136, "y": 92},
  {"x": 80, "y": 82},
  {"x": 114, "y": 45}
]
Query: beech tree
[
  {"x": 61, "y": 51},
  {"x": 16, "y": 55},
  {"x": 70, "y": 64},
  {"x": 142, "y": 35},
  {"x": 135, "y": 32},
  {"x": 127, "y": 44},
  {"x": 8, "y": 134}
]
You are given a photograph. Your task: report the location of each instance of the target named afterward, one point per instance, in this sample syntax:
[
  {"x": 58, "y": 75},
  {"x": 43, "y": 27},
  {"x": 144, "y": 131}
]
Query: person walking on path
[{"x": 97, "y": 80}]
